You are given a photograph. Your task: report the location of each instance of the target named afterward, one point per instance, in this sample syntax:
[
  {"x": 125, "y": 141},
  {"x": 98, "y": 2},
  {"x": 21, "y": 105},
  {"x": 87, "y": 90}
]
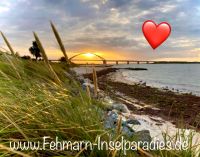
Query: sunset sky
[{"x": 111, "y": 28}]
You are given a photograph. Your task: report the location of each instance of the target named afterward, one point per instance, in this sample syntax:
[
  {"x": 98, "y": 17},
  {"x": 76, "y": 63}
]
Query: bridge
[
  {"x": 104, "y": 61},
  {"x": 117, "y": 61},
  {"x": 111, "y": 61},
  {"x": 101, "y": 58}
]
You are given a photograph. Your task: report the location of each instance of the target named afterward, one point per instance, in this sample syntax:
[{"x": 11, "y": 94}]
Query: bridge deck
[{"x": 127, "y": 61}]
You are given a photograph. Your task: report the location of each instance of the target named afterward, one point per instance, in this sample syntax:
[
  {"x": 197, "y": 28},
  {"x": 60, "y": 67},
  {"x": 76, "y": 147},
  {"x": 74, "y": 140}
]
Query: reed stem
[
  {"x": 13, "y": 66},
  {"x": 119, "y": 125},
  {"x": 8, "y": 44},
  {"x": 59, "y": 40},
  {"x": 95, "y": 82},
  {"x": 88, "y": 92},
  {"x": 56, "y": 79}
]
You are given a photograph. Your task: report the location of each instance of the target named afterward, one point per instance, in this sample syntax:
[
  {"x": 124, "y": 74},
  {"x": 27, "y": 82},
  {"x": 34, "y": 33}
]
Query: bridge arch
[{"x": 101, "y": 58}]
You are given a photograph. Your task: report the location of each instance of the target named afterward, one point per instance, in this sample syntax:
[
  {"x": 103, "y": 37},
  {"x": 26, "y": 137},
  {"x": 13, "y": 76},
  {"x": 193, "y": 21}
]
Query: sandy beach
[
  {"x": 158, "y": 110},
  {"x": 180, "y": 109}
]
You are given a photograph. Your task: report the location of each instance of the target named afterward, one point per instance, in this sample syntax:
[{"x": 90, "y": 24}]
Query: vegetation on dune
[
  {"x": 59, "y": 40},
  {"x": 39, "y": 99},
  {"x": 35, "y": 106},
  {"x": 8, "y": 44}
]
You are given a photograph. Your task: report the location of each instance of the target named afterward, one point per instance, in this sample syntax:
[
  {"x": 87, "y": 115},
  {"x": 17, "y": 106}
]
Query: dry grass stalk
[
  {"x": 5, "y": 75},
  {"x": 13, "y": 53},
  {"x": 95, "y": 82},
  {"x": 8, "y": 44},
  {"x": 57, "y": 80},
  {"x": 119, "y": 125},
  {"x": 114, "y": 152},
  {"x": 144, "y": 153},
  {"x": 79, "y": 153},
  {"x": 12, "y": 65},
  {"x": 14, "y": 124},
  {"x": 59, "y": 41},
  {"x": 2, "y": 147},
  {"x": 88, "y": 92},
  {"x": 118, "y": 134},
  {"x": 118, "y": 131}
]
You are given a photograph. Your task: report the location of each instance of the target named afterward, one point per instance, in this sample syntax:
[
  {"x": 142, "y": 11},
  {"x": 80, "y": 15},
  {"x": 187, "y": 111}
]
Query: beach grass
[
  {"x": 36, "y": 105},
  {"x": 59, "y": 40},
  {"x": 8, "y": 44}
]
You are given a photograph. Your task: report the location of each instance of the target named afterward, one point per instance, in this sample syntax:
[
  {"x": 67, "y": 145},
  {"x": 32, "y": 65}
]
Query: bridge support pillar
[
  {"x": 138, "y": 62},
  {"x": 104, "y": 62},
  {"x": 147, "y": 62},
  {"x": 127, "y": 62},
  {"x": 117, "y": 62}
]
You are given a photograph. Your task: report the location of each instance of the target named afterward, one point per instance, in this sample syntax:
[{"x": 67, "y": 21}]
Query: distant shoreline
[
  {"x": 110, "y": 65},
  {"x": 174, "y": 62}
]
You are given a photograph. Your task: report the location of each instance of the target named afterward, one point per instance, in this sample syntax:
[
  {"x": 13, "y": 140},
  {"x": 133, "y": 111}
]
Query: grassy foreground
[{"x": 32, "y": 106}]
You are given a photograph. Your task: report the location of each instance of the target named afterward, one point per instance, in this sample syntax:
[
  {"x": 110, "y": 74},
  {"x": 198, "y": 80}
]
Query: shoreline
[{"x": 180, "y": 109}]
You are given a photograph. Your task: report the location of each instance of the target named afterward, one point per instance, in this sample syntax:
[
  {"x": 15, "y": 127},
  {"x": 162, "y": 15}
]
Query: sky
[{"x": 110, "y": 28}]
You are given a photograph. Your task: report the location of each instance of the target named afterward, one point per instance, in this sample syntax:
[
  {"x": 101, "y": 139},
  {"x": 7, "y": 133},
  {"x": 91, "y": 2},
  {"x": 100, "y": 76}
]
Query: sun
[{"x": 89, "y": 55}]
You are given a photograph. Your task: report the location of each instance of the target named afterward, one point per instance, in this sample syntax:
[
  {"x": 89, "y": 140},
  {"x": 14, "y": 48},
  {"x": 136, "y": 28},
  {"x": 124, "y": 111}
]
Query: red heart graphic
[{"x": 156, "y": 34}]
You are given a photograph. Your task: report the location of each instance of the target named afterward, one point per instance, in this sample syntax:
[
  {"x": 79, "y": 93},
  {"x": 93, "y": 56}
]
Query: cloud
[
  {"x": 5, "y": 6},
  {"x": 103, "y": 24}
]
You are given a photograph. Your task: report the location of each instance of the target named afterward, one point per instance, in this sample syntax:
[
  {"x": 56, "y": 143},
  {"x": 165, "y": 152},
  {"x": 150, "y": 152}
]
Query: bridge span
[
  {"x": 103, "y": 60},
  {"x": 116, "y": 61},
  {"x": 110, "y": 61}
]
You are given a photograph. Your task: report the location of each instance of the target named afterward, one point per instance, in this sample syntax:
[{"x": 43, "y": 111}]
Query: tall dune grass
[
  {"x": 95, "y": 82},
  {"x": 8, "y": 44},
  {"x": 38, "y": 99},
  {"x": 36, "y": 106},
  {"x": 46, "y": 59},
  {"x": 58, "y": 38}
]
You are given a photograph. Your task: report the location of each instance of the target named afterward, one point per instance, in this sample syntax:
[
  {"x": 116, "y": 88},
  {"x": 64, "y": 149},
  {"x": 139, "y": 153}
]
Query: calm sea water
[{"x": 182, "y": 77}]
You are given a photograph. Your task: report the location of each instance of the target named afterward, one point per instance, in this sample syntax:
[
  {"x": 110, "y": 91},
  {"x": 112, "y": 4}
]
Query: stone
[
  {"x": 133, "y": 121},
  {"x": 91, "y": 86},
  {"x": 127, "y": 131},
  {"x": 111, "y": 120},
  {"x": 124, "y": 122},
  {"x": 101, "y": 95},
  {"x": 143, "y": 135},
  {"x": 80, "y": 78},
  {"x": 120, "y": 107},
  {"x": 108, "y": 100},
  {"x": 86, "y": 80}
]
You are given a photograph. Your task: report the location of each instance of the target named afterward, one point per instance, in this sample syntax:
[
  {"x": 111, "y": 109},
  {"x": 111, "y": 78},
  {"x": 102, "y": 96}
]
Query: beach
[{"x": 159, "y": 110}]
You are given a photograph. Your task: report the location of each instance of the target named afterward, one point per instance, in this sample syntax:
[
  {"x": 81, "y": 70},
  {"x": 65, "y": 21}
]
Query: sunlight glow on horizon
[
  {"x": 54, "y": 54},
  {"x": 89, "y": 55}
]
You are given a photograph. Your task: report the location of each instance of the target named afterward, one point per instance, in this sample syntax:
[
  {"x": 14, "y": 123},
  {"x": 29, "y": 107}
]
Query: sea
[{"x": 184, "y": 78}]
